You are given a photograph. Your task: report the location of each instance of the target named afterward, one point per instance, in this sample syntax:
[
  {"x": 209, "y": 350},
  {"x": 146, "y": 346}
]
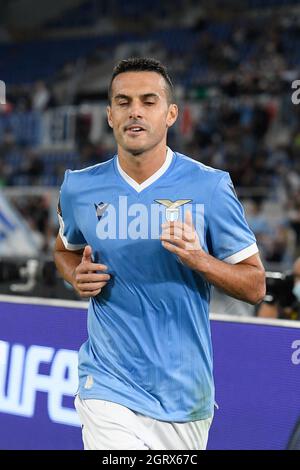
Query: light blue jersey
[{"x": 149, "y": 345}]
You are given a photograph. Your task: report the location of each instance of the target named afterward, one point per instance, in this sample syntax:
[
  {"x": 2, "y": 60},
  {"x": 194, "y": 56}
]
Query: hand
[
  {"x": 86, "y": 280},
  {"x": 182, "y": 240}
]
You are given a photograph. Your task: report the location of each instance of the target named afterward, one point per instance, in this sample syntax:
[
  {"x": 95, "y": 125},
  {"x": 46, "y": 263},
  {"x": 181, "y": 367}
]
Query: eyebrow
[{"x": 121, "y": 96}]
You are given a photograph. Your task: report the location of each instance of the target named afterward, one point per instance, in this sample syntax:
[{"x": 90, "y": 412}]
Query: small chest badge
[{"x": 172, "y": 207}]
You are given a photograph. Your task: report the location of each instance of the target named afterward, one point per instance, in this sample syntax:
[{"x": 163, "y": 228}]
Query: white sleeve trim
[
  {"x": 68, "y": 246},
  {"x": 241, "y": 255}
]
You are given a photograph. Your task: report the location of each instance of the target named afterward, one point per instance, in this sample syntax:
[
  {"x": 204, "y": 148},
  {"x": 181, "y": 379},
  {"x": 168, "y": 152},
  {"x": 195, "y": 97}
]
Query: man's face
[{"x": 139, "y": 112}]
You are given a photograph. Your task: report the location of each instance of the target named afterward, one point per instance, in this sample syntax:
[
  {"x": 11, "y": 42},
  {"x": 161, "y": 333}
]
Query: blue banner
[{"x": 257, "y": 374}]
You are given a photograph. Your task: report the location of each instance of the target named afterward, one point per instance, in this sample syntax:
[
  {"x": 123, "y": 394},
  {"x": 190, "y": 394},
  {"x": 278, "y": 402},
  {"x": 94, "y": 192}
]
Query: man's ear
[
  {"x": 172, "y": 114},
  {"x": 109, "y": 116}
]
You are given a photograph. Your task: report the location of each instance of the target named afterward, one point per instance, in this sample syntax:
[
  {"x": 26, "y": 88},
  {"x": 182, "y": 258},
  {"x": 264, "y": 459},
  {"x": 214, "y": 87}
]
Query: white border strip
[
  {"x": 254, "y": 320},
  {"x": 18, "y": 299},
  {"x": 84, "y": 305},
  {"x": 241, "y": 255}
]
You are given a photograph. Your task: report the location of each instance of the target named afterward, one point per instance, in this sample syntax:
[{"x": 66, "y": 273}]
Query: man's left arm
[{"x": 244, "y": 280}]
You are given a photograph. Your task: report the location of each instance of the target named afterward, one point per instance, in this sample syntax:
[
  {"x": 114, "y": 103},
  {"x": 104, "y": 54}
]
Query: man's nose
[{"x": 135, "y": 110}]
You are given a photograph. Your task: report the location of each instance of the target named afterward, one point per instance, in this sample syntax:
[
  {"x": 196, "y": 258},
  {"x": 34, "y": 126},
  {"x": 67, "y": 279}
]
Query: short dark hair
[{"x": 143, "y": 64}]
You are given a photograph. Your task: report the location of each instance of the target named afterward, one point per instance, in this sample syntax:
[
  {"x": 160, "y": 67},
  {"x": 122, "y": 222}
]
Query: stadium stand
[{"x": 233, "y": 83}]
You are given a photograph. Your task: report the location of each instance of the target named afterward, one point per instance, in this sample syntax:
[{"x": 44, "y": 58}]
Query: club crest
[{"x": 172, "y": 207}]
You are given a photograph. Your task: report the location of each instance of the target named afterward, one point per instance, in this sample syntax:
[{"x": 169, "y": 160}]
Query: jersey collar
[{"x": 139, "y": 187}]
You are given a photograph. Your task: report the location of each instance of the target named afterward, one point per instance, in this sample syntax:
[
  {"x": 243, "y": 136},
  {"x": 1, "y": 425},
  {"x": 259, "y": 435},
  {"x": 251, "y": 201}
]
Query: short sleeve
[
  {"x": 230, "y": 238},
  {"x": 68, "y": 229}
]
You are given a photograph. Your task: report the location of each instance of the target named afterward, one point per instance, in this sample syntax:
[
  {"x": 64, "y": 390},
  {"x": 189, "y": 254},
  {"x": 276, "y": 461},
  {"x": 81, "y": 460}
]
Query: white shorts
[{"x": 110, "y": 426}]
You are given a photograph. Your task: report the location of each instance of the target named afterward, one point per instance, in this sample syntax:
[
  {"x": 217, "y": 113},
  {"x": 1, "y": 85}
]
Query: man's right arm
[{"x": 77, "y": 268}]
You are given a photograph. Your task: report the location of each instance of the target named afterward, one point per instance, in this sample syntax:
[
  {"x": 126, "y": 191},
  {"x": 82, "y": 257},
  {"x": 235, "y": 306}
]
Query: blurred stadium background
[{"x": 233, "y": 64}]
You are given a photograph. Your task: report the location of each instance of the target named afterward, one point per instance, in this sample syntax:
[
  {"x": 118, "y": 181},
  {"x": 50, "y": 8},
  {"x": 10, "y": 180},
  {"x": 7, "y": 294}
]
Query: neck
[{"x": 141, "y": 167}]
